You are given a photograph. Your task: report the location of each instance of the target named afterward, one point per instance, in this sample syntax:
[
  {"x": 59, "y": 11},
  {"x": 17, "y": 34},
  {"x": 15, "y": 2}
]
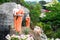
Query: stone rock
[
  {"x": 40, "y": 33},
  {"x": 6, "y": 19},
  {"x": 6, "y": 10}
]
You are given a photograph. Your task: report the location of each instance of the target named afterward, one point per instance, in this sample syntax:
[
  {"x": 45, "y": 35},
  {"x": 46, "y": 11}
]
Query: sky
[{"x": 39, "y": 0}]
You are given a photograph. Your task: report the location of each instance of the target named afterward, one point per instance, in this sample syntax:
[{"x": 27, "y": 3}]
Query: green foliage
[
  {"x": 26, "y": 31},
  {"x": 51, "y": 23},
  {"x": 23, "y": 39},
  {"x": 14, "y": 38},
  {"x": 16, "y": 1},
  {"x": 47, "y": 28},
  {"x": 49, "y": 39},
  {"x": 35, "y": 13},
  {"x": 3, "y": 1},
  {"x": 53, "y": 17}
]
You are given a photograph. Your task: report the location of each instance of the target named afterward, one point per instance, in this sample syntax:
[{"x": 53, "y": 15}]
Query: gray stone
[{"x": 6, "y": 10}]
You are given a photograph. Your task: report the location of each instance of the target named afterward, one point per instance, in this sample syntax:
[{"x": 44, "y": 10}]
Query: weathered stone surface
[{"x": 6, "y": 10}]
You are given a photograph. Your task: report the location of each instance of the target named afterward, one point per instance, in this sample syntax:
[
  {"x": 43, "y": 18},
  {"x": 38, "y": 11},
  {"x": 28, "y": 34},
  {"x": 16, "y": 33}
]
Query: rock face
[
  {"x": 6, "y": 19},
  {"x": 6, "y": 10}
]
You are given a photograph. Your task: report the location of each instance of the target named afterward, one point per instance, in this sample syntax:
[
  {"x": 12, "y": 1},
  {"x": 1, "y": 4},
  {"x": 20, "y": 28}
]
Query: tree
[
  {"x": 51, "y": 23},
  {"x": 2, "y": 1},
  {"x": 16, "y": 1},
  {"x": 55, "y": 1}
]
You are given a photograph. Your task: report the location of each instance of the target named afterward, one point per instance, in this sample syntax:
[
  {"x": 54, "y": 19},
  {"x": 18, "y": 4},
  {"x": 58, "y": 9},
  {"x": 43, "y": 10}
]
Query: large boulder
[
  {"x": 6, "y": 10},
  {"x": 6, "y": 19}
]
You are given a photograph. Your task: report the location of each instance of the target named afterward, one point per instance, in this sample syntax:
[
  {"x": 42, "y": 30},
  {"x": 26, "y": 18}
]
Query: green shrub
[
  {"x": 51, "y": 23},
  {"x": 26, "y": 31},
  {"x": 14, "y": 38}
]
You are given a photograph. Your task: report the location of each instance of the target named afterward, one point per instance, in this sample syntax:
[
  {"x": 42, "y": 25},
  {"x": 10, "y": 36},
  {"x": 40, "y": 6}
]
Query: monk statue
[{"x": 20, "y": 13}]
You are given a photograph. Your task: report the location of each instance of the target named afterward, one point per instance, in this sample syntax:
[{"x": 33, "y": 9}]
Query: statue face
[{"x": 19, "y": 6}]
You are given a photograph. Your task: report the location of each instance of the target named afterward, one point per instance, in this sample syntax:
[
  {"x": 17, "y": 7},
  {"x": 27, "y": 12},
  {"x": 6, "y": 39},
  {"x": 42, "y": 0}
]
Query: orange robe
[
  {"x": 27, "y": 22},
  {"x": 18, "y": 21}
]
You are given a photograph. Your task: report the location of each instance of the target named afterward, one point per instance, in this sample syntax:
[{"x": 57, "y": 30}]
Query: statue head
[{"x": 19, "y": 6}]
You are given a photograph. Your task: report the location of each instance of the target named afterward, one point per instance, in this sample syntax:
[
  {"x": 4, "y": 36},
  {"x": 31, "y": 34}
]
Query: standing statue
[{"x": 19, "y": 14}]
